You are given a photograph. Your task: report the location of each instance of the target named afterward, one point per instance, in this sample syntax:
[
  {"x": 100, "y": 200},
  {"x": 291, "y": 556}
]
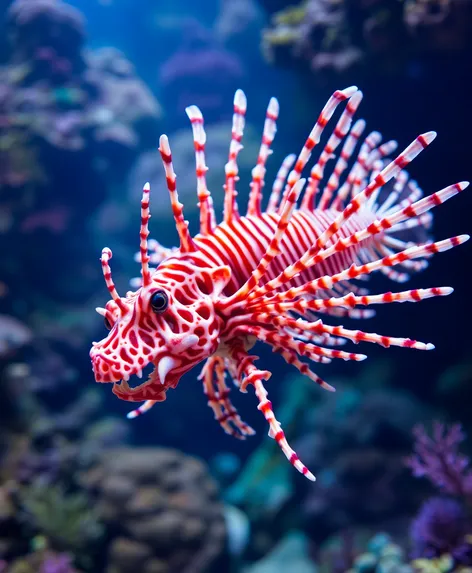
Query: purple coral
[
  {"x": 441, "y": 527},
  {"x": 57, "y": 564},
  {"x": 437, "y": 458},
  {"x": 200, "y": 72}
]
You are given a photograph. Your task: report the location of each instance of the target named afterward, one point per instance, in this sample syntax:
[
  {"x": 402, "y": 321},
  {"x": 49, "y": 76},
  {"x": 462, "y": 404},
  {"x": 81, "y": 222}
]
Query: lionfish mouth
[{"x": 157, "y": 372}]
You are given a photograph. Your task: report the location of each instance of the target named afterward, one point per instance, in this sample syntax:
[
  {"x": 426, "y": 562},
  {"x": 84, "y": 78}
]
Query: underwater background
[{"x": 86, "y": 89}]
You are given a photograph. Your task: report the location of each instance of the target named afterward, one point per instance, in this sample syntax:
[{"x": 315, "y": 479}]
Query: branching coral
[
  {"x": 441, "y": 534},
  {"x": 66, "y": 520},
  {"x": 439, "y": 460}
]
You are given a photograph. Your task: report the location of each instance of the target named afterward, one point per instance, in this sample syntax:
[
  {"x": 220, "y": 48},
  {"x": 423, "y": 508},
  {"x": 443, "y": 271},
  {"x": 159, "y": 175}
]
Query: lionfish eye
[
  {"x": 107, "y": 323},
  {"x": 159, "y": 301}
]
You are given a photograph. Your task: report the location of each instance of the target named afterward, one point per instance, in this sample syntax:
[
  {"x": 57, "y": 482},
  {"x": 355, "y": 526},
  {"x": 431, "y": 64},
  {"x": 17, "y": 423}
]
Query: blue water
[{"x": 79, "y": 132}]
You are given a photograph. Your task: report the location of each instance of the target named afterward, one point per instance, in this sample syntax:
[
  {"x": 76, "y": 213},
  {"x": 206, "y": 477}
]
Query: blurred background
[{"x": 86, "y": 88}]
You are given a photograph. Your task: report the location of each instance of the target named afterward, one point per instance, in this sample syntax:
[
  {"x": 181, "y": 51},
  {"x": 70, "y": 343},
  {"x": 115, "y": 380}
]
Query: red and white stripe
[{"x": 298, "y": 259}]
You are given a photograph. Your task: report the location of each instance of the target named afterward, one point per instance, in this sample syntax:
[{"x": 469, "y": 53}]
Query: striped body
[
  {"x": 242, "y": 243},
  {"x": 276, "y": 274}
]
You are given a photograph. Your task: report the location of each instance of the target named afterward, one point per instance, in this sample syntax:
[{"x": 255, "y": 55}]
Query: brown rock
[
  {"x": 128, "y": 555},
  {"x": 160, "y": 531},
  {"x": 147, "y": 500},
  {"x": 118, "y": 488}
]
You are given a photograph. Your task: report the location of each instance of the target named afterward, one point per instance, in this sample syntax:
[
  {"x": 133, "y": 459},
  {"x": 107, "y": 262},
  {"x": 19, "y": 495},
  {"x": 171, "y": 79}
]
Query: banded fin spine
[
  {"x": 231, "y": 168},
  {"x": 258, "y": 173},
  {"x": 186, "y": 242},
  {"x": 205, "y": 201}
]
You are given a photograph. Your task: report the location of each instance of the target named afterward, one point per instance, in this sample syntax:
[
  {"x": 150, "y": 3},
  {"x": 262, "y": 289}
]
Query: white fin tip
[
  {"x": 164, "y": 144},
  {"x": 429, "y": 136}
]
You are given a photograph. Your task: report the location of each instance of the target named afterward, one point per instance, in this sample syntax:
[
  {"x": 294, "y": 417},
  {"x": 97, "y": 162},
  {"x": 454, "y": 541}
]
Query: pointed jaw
[{"x": 161, "y": 378}]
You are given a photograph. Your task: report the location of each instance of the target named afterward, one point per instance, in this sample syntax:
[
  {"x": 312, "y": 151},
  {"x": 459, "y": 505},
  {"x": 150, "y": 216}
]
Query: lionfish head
[{"x": 169, "y": 323}]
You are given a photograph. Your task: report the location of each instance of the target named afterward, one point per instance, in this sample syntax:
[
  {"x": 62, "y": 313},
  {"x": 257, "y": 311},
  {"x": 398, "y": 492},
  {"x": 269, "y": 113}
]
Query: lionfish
[{"x": 275, "y": 275}]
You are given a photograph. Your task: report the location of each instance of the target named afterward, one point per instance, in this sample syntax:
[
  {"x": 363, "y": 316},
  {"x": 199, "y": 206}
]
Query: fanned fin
[
  {"x": 205, "y": 201},
  {"x": 186, "y": 242},
  {"x": 231, "y": 168},
  {"x": 258, "y": 173}
]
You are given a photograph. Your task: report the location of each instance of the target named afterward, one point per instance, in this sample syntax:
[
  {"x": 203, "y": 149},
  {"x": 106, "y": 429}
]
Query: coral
[
  {"x": 357, "y": 446},
  {"x": 57, "y": 564},
  {"x": 19, "y": 158},
  {"x": 201, "y": 72},
  {"x": 382, "y": 556},
  {"x": 439, "y": 460},
  {"x": 65, "y": 519},
  {"x": 49, "y": 34},
  {"x": 235, "y": 18},
  {"x": 443, "y": 564},
  {"x": 13, "y": 335},
  {"x": 57, "y": 94},
  {"x": 72, "y": 121},
  {"x": 442, "y": 527},
  {"x": 125, "y": 110},
  {"x": 439, "y": 26},
  {"x": 328, "y": 37},
  {"x": 42, "y": 561},
  {"x": 162, "y": 507},
  {"x": 314, "y": 31}
]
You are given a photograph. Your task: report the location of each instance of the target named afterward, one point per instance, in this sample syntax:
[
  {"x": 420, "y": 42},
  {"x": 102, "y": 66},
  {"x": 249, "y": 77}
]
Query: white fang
[{"x": 165, "y": 365}]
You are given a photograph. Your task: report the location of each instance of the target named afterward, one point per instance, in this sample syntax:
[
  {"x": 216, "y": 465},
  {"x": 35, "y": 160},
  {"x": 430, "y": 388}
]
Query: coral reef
[
  {"x": 48, "y": 34},
  {"x": 163, "y": 509},
  {"x": 78, "y": 131},
  {"x": 333, "y": 39},
  {"x": 56, "y": 92},
  {"x": 356, "y": 445},
  {"x": 71, "y": 119},
  {"x": 201, "y": 72}
]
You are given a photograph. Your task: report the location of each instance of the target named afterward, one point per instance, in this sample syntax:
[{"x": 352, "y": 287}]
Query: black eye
[
  {"x": 159, "y": 301},
  {"x": 107, "y": 324}
]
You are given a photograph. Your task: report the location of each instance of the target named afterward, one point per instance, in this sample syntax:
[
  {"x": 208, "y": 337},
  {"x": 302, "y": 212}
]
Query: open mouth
[{"x": 153, "y": 373}]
